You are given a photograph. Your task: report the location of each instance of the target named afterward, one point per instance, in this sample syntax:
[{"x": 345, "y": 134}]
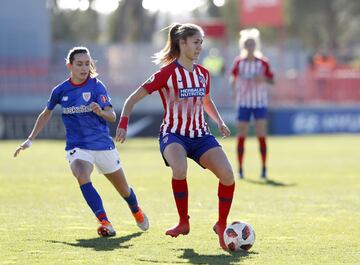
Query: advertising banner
[
  {"x": 287, "y": 121},
  {"x": 19, "y": 126},
  {"x": 261, "y": 13}
]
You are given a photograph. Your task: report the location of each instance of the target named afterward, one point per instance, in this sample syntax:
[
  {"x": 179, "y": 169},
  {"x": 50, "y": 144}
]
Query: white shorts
[{"x": 106, "y": 161}]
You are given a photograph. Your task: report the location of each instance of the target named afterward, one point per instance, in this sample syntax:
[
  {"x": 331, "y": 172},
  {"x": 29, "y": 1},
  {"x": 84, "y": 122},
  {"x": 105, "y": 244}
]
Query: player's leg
[
  {"x": 174, "y": 154},
  {"x": 118, "y": 180},
  {"x": 108, "y": 163},
  {"x": 242, "y": 128},
  {"x": 216, "y": 161},
  {"x": 81, "y": 164},
  {"x": 242, "y": 125},
  {"x": 261, "y": 132}
]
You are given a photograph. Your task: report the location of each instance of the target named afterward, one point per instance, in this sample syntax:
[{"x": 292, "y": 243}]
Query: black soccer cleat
[{"x": 241, "y": 174}]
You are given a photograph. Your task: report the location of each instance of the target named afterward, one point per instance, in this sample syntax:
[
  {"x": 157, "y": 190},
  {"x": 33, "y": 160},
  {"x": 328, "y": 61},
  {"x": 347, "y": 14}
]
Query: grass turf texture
[{"x": 308, "y": 213}]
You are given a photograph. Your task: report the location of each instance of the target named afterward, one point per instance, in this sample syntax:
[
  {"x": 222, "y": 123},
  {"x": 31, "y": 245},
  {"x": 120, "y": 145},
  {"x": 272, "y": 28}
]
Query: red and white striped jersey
[
  {"x": 182, "y": 94},
  {"x": 251, "y": 93}
]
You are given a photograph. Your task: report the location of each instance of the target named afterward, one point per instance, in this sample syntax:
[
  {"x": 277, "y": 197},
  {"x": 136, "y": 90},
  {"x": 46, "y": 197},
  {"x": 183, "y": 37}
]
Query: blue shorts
[
  {"x": 244, "y": 113},
  {"x": 194, "y": 147}
]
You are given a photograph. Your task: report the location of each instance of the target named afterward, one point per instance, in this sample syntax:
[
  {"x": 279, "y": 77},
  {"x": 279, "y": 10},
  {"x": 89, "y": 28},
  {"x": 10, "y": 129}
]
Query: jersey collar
[
  {"x": 180, "y": 65},
  {"x": 78, "y": 85}
]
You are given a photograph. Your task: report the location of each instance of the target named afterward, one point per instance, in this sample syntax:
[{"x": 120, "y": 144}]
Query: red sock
[
  {"x": 262, "y": 143},
  {"x": 240, "y": 150},
  {"x": 180, "y": 191},
  {"x": 225, "y": 194}
]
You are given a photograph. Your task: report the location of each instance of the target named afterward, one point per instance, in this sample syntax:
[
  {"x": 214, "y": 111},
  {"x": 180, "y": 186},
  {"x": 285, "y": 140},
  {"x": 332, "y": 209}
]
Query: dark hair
[
  {"x": 177, "y": 32},
  {"x": 81, "y": 50}
]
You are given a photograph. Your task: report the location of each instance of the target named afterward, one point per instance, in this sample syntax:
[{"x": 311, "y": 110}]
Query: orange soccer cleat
[
  {"x": 141, "y": 220},
  {"x": 105, "y": 229}
]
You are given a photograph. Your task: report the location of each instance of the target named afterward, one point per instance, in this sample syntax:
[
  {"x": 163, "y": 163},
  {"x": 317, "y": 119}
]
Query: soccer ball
[{"x": 239, "y": 236}]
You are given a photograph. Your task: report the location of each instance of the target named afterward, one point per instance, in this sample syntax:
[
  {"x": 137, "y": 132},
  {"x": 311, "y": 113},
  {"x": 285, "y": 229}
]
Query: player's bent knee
[
  {"x": 179, "y": 173},
  {"x": 82, "y": 180},
  {"x": 227, "y": 177}
]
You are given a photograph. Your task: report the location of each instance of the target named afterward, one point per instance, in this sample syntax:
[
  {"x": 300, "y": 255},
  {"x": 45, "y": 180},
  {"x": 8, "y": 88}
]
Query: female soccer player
[
  {"x": 184, "y": 88},
  {"x": 250, "y": 75},
  {"x": 86, "y": 108}
]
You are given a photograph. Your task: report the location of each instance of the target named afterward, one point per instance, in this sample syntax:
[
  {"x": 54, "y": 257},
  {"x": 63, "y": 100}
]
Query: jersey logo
[
  {"x": 86, "y": 96},
  {"x": 103, "y": 98},
  {"x": 191, "y": 92},
  {"x": 65, "y": 98},
  {"x": 72, "y": 152}
]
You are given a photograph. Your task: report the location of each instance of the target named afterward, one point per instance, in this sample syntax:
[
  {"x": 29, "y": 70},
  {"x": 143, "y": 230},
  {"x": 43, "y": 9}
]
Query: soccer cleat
[
  {"x": 141, "y": 220},
  {"x": 263, "y": 173},
  {"x": 219, "y": 230},
  {"x": 105, "y": 229},
  {"x": 241, "y": 174},
  {"x": 183, "y": 228}
]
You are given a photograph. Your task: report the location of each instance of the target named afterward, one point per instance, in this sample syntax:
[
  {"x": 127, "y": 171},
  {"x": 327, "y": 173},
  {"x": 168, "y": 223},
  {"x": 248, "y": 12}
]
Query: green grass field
[{"x": 309, "y": 213}]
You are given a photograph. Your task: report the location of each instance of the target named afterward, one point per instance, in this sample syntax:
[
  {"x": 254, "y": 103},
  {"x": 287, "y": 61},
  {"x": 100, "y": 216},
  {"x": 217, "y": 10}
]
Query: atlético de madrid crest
[
  {"x": 86, "y": 96},
  {"x": 202, "y": 80}
]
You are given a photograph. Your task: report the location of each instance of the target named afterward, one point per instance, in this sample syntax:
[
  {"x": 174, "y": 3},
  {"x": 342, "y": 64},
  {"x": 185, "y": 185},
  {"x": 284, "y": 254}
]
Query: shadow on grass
[
  {"x": 270, "y": 182},
  {"x": 223, "y": 259},
  {"x": 191, "y": 257},
  {"x": 100, "y": 244}
]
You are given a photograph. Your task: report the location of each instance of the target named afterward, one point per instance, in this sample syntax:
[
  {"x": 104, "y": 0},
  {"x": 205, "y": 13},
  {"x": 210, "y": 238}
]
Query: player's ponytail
[
  {"x": 76, "y": 50},
  {"x": 171, "y": 51}
]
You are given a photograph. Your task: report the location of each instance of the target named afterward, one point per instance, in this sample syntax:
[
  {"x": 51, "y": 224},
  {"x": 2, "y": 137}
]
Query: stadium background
[{"x": 305, "y": 99}]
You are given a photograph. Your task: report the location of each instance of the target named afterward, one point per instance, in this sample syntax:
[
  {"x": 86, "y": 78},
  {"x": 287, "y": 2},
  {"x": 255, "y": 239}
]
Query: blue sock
[
  {"x": 132, "y": 202},
  {"x": 94, "y": 201}
]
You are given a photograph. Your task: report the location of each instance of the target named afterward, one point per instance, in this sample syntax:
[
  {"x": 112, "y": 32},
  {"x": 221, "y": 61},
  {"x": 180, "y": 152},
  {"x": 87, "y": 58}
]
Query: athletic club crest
[
  {"x": 86, "y": 96},
  {"x": 103, "y": 98}
]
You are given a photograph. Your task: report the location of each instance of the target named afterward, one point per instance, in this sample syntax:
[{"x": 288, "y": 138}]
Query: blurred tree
[
  {"x": 131, "y": 22},
  {"x": 230, "y": 14},
  {"x": 73, "y": 26},
  {"x": 212, "y": 10},
  {"x": 324, "y": 23},
  {"x": 321, "y": 23}
]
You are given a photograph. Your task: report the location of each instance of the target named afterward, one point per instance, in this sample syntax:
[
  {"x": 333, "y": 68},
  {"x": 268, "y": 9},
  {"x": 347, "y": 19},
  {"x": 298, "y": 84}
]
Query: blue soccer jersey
[{"x": 84, "y": 129}]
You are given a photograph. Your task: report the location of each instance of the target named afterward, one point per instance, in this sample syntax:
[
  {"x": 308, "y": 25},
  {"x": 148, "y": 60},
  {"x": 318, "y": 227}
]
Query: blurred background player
[
  {"x": 184, "y": 88},
  {"x": 250, "y": 76},
  {"x": 86, "y": 108}
]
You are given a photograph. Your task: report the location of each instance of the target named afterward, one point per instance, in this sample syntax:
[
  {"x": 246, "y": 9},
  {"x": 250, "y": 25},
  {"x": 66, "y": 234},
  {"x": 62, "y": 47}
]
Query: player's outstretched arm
[
  {"x": 40, "y": 123},
  {"x": 130, "y": 102}
]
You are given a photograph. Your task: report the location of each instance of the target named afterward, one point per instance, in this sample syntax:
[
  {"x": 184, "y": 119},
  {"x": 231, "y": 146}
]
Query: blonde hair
[
  {"x": 247, "y": 34},
  {"x": 81, "y": 50},
  {"x": 171, "y": 50}
]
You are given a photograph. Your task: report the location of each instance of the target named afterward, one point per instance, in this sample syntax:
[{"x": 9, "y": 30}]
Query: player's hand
[
  {"x": 96, "y": 108},
  {"x": 23, "y": 146},
  {"x": 120, "y": 135},
  {"x": 259, "y": 78},
  {"x": 224, "y": 130}
]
